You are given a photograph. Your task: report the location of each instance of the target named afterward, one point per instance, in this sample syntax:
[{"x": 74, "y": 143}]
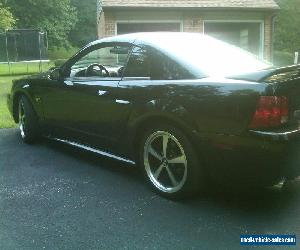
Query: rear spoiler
[{"x": 266, "y": 75}]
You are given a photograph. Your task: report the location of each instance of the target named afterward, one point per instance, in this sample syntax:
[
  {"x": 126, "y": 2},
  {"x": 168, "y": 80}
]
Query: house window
[{"x": 247, "y": 35}]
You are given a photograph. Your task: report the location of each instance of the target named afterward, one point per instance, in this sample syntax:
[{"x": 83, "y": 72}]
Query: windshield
[{"x": 209, "y": 56}]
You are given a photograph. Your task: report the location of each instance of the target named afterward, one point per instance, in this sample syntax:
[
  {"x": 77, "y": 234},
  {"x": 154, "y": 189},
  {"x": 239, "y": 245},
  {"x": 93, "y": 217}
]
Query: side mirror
[{"x": 55, "y": 74}]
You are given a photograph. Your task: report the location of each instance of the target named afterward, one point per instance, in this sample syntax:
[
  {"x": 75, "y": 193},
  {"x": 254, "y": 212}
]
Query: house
[{"x": 245, "y": 23}]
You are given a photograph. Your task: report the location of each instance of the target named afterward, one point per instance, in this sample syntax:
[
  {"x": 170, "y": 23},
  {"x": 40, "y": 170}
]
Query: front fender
[{"x": 22, "y": 88}]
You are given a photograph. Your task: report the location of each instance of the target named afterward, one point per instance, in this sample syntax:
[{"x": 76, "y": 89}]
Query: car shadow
[
  {"x": 94, "y": 159},
  {"x": 274, "y": 209},
  {"x": 274, "y": 200}
]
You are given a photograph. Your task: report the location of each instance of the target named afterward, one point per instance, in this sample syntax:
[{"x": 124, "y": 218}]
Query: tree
[
  {"x": 56, "y": 17},
  {"x": 287, "y": 31},
  {"x": 85, "y": 29},
  {"x": 6, "y": 18}
]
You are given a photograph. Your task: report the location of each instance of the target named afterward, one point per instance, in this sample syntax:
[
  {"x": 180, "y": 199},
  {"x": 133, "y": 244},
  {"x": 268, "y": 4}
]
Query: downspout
[
  {"x": 273, "y": 19},
  {"x": 99, "y": 13}
]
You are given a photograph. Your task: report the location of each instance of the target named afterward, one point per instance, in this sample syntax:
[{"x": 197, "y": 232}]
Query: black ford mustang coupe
[{"x": 186, "y": 108}]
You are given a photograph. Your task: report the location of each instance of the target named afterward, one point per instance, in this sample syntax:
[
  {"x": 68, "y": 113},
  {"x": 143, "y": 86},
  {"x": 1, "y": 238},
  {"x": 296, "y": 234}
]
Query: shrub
[
  {"x": 61, "y": 53},
  {"x": 59, "y": 62},
  {"x": 282, "y": 58}
]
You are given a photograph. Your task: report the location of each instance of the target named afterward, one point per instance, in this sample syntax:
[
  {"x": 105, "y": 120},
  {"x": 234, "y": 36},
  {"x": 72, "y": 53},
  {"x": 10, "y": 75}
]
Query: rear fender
[{"x": 155, "y": 113}]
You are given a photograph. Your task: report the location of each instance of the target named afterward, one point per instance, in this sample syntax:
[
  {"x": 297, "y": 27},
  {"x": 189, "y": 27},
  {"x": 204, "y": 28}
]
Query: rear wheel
[
  {"x": 28, "y": 121},
  {"x": 170, "y": 163}
]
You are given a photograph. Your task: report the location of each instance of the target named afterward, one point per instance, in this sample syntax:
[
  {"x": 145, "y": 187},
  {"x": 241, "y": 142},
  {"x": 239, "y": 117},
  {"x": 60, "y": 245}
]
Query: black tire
[
  {"x": 28, "y": 121},
  {"x": 187, "y": 168}
]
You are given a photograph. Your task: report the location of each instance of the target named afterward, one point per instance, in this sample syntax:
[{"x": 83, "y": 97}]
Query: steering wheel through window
[{"x": 92, "y": 70}]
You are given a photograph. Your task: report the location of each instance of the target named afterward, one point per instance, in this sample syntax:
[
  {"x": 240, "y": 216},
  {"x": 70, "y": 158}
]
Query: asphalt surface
[{"x": 53, "y": 196}]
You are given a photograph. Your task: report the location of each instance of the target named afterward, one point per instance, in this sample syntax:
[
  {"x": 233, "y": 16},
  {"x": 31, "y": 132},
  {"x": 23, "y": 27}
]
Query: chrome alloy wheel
[
  {"x": 22, "y": 118},
  {"x": 165, "y": 162}
]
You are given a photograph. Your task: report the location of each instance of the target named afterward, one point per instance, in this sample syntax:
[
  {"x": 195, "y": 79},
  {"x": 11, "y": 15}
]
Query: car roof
[
  {"x": 151, "y": 38},
  {"x": 200, "y": 54}
]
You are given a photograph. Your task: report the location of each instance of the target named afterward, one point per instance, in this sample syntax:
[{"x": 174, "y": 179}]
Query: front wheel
[
  {"x": 28, "y": 121},
  {"x": 170, "y": 163}
]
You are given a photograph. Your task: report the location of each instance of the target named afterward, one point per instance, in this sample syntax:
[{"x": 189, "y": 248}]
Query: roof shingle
[{"x": 242, "y": 4}]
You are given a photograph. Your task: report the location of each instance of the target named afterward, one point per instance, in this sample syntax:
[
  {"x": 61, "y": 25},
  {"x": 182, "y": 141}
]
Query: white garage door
[
  {"x": 243, "y": 34},
  {"x": 124, "y": 28}
]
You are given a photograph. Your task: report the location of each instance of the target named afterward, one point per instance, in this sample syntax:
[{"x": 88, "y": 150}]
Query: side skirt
[{"x": 94, "y": 150}]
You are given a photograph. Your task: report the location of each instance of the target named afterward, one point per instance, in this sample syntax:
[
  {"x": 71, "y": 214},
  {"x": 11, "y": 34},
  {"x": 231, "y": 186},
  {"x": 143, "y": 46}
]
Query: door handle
[
  {"x": 122, "y": 101},
  {"x": 102, "y": 92}
]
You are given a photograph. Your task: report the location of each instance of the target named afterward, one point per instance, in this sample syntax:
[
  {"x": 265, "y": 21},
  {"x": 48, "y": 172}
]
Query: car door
[
  {"x": 148, "y": 83},
  {"x": 86, "y": 105}
]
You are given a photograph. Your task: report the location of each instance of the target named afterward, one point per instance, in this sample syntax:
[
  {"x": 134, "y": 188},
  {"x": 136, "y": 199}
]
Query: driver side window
[{"x": 102, "y": 62}]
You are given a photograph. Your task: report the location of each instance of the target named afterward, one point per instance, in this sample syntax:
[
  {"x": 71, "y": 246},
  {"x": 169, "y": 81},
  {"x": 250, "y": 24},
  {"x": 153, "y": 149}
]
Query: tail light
[{"x": 271, "y": 111}]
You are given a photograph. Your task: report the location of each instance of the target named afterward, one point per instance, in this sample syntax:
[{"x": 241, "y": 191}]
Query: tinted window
[
  {"x": 138, "y": 63},
  {"x": 164, "y": 68},
  {"x": 150, "y": 63}
]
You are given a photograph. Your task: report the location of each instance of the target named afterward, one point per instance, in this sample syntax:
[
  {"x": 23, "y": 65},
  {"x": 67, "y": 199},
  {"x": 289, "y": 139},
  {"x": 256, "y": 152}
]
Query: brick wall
[
  {"x": 101, "y": 25},
  {"x": 192, "y": 22},
  {"x": 110, "y": 24},
  {"x": 268, "y": 37},
  {"x": 106, "y": 25}
]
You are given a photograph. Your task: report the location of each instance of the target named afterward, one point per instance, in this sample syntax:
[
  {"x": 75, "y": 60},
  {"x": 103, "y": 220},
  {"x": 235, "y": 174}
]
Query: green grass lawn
[
  {"x": 6, "y": 120},
  {"x": 17, "y": 70},
  {"x": 23, "y": 68}
]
